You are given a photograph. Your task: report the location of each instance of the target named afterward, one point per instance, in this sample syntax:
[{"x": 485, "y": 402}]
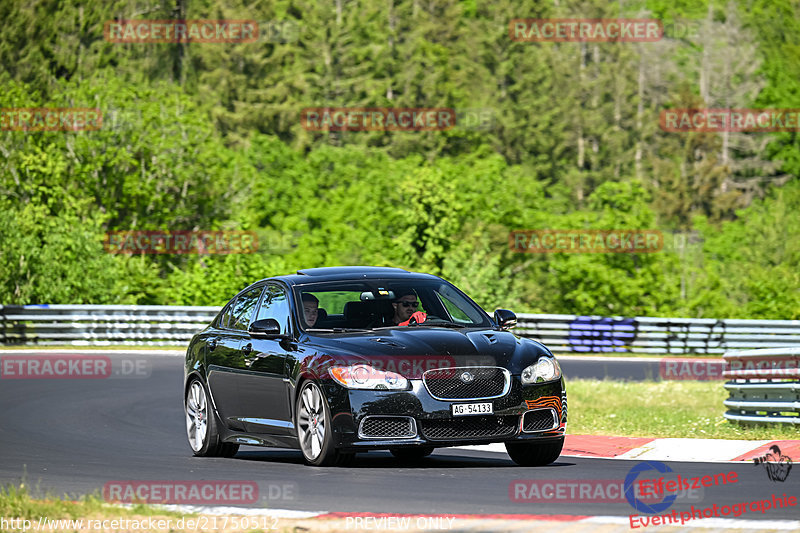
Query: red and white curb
[
  {"x": 712, "y": 523},
  {"x": 651, "y": 449},
  {"x": 443, "y": 521},
  {"x": 220, "y": 510}
]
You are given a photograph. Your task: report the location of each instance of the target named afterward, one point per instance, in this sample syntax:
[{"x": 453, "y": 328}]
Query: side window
[
  {"x": 226, "y": 317},
  {"x": 456, "y": 312},
  {"x": 243, "y": 308},
  {"x": 275, "y": 305}
]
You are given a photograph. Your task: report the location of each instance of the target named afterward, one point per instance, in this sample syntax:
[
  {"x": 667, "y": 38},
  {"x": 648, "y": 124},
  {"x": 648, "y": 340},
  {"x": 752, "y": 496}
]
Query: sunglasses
[{"x": 409, "y": 304}]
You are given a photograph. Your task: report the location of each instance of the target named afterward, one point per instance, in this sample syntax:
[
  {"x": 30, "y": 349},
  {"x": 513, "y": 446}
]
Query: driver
[{"x": 405, "y": 306}]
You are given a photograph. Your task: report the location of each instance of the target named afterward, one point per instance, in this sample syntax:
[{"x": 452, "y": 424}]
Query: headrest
[{"x": 357, "y": 310}]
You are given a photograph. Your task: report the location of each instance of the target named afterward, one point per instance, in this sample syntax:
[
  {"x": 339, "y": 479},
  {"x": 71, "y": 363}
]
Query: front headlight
[
  {"x": 367, "y": 377},
  {"x": 545, "y": 369}
]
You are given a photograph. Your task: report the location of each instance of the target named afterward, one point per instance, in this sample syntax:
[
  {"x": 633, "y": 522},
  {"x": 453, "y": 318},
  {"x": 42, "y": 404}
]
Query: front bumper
[{"x": 433, "y": 422}]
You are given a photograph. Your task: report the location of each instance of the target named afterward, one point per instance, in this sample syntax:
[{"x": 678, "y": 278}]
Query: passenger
[{"x": 310, "y": 309}]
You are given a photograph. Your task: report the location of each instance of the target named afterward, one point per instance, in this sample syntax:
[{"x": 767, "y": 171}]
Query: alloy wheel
[
  {"x": 312, "y": 423},
  {"x": 196, "y": 416}
]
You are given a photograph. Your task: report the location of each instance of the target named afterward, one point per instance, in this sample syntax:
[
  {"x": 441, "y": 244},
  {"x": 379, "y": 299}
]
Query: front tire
[
  {"x": 201, "y": 424},
  {"x": 314, "y": 429},
  {"x": 533, "y": 453}
]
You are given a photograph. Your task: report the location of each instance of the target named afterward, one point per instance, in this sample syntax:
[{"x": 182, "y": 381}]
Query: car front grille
[
  {"x": 539, "y": 420},
  {"x": 470, "y": 427},
  {"x": 467, "y": 383},
  {"x": 387, "y": 427}
]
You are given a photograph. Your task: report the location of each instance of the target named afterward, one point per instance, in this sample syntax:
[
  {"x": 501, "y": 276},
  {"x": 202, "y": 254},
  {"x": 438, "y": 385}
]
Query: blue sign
[
  {"x": 587, "y": 334},
  {"x": 638, "y": 504}
]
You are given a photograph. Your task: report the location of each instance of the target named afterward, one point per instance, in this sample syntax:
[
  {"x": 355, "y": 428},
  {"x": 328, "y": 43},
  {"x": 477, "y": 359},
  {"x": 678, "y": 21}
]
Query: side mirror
[
  {"x": 505, "y": 319},
  {"x": 266, "y": 328}
]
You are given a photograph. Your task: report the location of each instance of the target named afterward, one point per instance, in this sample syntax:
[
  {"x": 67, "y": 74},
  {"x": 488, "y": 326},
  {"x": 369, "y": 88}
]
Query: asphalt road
[
  {"x": 71, "y": 436},
  {"x": 632, "y": 369}
]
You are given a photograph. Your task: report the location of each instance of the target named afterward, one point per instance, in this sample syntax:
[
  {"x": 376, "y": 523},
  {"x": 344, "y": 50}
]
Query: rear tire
[
  {"x": 533, "y": 453},
  {"x": 202, "y": 428}
]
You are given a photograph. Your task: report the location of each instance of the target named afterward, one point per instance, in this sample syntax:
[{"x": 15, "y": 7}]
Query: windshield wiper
[{"x": 426, "y": 323}]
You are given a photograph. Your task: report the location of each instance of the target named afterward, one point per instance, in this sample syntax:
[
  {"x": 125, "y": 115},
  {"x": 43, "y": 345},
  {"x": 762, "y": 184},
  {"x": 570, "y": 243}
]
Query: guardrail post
[{"x": 763, "y": 386}]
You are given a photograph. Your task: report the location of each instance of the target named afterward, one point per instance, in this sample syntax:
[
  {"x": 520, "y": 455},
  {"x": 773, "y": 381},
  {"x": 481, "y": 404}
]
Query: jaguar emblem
[{"x": 467, "y": 377}]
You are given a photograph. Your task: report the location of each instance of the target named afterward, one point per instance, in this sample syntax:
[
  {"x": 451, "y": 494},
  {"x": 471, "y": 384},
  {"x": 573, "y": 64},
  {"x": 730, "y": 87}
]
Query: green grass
[
  {"x": 17, "y": 502},
  {"x": 686, "y": 409}
]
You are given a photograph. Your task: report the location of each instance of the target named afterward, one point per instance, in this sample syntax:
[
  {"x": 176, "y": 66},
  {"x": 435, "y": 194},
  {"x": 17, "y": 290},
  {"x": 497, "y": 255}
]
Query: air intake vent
[
  {"x": 470, "y": 427},
  {"x": 539, "y": 420},
  {"x": 387, "y": 427}
]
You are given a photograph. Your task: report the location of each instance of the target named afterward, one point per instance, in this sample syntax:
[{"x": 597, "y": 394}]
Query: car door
[
  {"x": 263, "y": 389},
  {"x": 224, "y": 359}
]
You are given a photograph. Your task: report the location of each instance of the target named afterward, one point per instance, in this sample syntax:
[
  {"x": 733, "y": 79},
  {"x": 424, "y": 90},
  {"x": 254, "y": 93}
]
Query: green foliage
[
  {"x": 207, "y": 137},
  {"x": 215, "y": 280},
  {"x": 755, "y": 258},
  {"x": 48, "y": 259}
]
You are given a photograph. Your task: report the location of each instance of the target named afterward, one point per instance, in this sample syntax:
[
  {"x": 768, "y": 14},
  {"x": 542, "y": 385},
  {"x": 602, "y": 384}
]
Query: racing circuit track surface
[{"x": 71, "y": 436}]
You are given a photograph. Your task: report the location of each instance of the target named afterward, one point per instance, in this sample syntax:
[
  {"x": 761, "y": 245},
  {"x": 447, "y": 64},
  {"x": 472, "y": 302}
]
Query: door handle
[
  {"x": 212, "y": 343},
  {"x": 247, "y": 348}
]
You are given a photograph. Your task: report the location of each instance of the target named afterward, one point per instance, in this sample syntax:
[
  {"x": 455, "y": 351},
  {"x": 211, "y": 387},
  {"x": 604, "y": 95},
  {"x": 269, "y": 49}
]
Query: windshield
[{"x": 374, "y": 304}]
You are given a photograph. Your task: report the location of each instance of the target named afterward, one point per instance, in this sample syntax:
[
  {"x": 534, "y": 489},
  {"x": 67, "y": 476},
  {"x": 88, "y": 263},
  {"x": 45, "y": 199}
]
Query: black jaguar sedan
[{"x": 336, "y": 361}]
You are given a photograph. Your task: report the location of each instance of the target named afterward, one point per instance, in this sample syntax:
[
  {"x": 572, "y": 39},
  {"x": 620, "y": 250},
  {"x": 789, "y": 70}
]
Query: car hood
[{"x": 450, "y": 347}]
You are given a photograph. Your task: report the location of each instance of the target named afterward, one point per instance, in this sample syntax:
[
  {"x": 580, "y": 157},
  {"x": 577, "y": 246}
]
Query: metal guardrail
[
  {"x": 175, "y": 325},
  {"x": 594, "y": 334},
  {"x": 81, "y": 325},
  {"x": 764, "y": 385}
]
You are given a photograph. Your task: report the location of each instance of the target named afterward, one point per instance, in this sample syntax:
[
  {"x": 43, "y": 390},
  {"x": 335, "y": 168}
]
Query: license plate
[{"x": 466, "y": 409}]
